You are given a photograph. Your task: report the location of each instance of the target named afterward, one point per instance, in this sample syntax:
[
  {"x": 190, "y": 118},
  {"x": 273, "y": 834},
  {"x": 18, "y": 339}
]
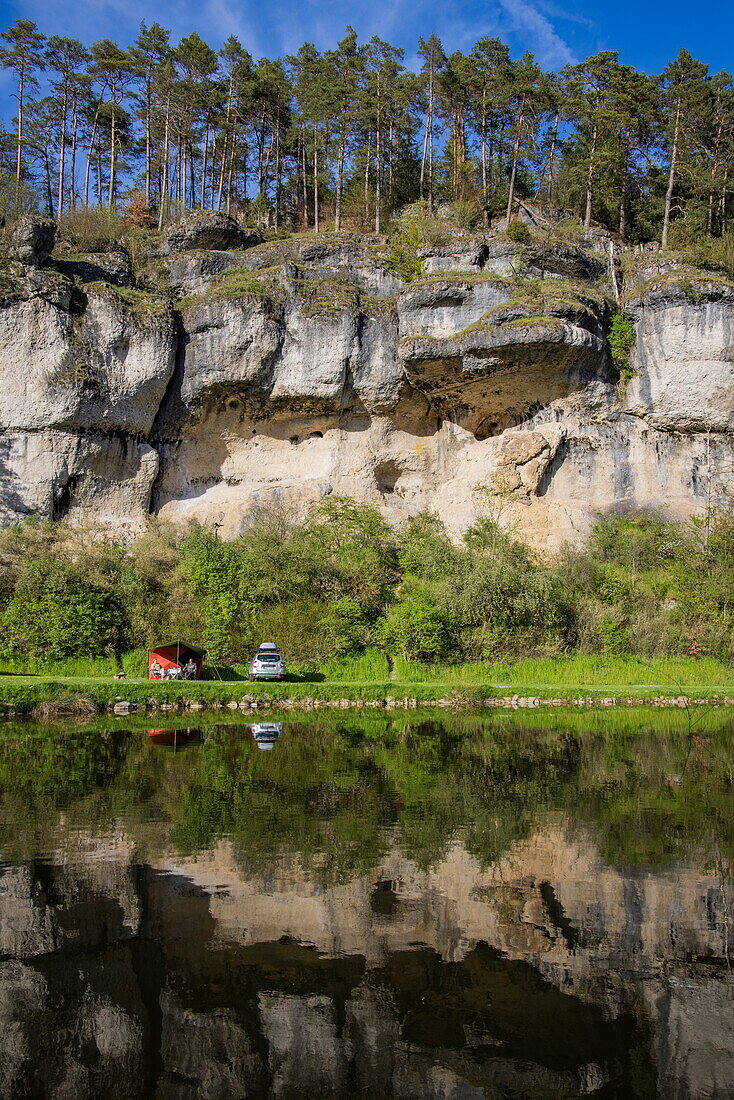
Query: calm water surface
[{"x": 368, "y": 907}]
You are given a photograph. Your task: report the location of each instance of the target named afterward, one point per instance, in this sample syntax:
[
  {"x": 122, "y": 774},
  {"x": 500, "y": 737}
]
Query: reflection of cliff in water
[
  {"x": 548, "y": 975},
  {"x": 438, "y": 911},
  {"x": 162, "y": 1006}
]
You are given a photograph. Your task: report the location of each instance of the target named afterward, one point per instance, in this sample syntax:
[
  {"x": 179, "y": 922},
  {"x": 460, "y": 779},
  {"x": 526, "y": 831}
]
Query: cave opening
[{"x": 387, "y": 475}]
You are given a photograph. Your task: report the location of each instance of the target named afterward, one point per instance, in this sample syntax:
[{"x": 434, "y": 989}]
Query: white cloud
[{"x": 548, "y": 46}]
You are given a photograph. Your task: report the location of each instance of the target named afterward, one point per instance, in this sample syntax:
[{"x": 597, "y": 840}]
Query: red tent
[{"x": 173, "y": 657}]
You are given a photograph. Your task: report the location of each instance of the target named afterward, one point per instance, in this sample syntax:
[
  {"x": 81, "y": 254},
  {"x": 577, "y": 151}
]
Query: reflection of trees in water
[{"x": 650, "y": 790}]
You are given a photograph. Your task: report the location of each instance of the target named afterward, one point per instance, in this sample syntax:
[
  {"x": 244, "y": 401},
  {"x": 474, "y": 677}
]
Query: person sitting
[
  {"x": 156, "y": 669},
  {"x": 190, "y": 669}
]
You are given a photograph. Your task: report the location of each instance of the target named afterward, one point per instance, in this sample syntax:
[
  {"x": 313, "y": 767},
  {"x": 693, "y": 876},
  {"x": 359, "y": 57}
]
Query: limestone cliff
[{"x": 225, "y": 372}]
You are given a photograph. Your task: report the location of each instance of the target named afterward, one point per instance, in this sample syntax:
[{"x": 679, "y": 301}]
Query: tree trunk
[
  {"x": 430, "y": 139},
  {"x": 367, "y": 179},
  {"x": 714, "y": 174},
  {"x": 204, "y": 167},
  {"x": 671, "y": 176},
  {"x": 47, "y": 178},
  {"x": 305, "y": 178},
  {"x": 90, "y": 154},
  {"x": 225, "y": 144},
  {"x": 378, "y": 159},
  {"x": 166, "y": 156},
  {"x": 148, "y": 113},
  {"x": 62, "y": 152},
  {"x": 423, "y": 161},
  {"x": 552, "y": 156},
  {"x": 390, "y": 158},
  {"x": 515, "y": 158},
  {"x": 113, "y": 151},
  {"x": 315, "y": 181},
  {"x": 19, "y": 161},
  {"x": 99, "y": 175},
  {"x": 590, "y": 179},
  {"x": 483, "y": 142},
  {"x": 339, "y": 182},
  {"x": 72, "y": 160},
  {"x": 276, "y": 219}
]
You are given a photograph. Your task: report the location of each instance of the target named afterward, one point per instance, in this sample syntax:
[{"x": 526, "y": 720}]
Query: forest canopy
[{"x": 344, "y": 138}]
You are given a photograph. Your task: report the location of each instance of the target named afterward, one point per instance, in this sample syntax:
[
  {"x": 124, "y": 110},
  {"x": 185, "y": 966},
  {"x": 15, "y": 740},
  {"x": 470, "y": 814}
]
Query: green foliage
[
  {"x": 416, "y": 628},
  {"x": 341, "y": 581},
  {"x": 92, "y": 228},
  {"x": 403, "y": 256},
  {"x": 55, "y": 613},
  {"x": 621, "y": 340},
  {"x": 519, "y": 232}
]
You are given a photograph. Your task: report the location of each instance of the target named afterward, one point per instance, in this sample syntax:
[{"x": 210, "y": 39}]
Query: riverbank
[{"x": 573, "y": 681}]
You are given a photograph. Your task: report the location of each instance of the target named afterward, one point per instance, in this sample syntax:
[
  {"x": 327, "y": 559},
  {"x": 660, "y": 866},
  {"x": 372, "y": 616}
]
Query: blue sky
[{"x": 647, "y": 33}]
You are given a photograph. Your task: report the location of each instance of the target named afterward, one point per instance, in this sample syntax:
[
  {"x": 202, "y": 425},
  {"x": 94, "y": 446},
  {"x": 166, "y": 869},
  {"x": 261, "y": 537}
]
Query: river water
[{"x": 368, "y": 907}]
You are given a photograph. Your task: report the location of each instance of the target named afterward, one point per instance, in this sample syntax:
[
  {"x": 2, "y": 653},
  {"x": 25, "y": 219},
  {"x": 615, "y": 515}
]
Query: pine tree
[
  {"x": 525, "y": 98},
  {"x": 151, "y": 49},
  {"x": 112, "y": 68},
  {"x": 434, "y": 60},
  {"x": 347, "y": 63},
  {"x": 65, "y": 57},
  {"x": 490, "y": 80},
  {"x": 23, "y": 55},
  {"x": 687, "y": 104}
]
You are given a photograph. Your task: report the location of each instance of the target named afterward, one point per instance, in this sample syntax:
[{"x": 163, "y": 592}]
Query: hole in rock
[
  {"x": 387, "y": 475},
  {"x": 233, "y": 404},
  {"x": 63, "y": 497},
  {"x": 315, "y": 435},
  {"x": 293, "y": 439}
]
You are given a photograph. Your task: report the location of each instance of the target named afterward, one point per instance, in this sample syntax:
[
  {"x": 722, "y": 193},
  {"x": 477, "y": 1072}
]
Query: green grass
[
  {"x": 674, "y": 675},
  {"x": 366, "y": 677}
]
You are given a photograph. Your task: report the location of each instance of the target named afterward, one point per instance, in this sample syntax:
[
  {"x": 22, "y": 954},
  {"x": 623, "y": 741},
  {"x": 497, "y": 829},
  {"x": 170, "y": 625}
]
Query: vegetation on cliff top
[{"x": 350, "y": 135}]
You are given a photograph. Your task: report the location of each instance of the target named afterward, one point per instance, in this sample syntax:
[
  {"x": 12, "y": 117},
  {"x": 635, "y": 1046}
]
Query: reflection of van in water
[{"x": 266, "y": 733}]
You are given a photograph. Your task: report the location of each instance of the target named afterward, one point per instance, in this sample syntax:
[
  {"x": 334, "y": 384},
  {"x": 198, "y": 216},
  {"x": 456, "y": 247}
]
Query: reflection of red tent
[
  {"x": 172, "y": 737},
  {"x": 174, "y": 657}
]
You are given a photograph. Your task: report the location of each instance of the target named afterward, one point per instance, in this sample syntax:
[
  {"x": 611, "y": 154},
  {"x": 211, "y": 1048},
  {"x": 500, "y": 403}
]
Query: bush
[
  {"x": 56, "y": 613},
  {"x": 417, "y": 630},
  {"x": 621, "y": 340},
  {"x": 91, "y": 229},
  {"x": 519, "y": 232}
]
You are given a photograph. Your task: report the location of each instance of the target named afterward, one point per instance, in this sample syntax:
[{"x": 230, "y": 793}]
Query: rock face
[
  {"x": 201, "y": 229},
  {"x": 33, "y": 240},
  {"x": 240, "y": 372}
]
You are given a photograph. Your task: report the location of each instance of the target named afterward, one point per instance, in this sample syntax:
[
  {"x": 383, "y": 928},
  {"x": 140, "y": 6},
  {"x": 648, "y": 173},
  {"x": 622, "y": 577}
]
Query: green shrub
[
  {"x": 519, "y": 232},
  {"x": 417, "y": 630},
  {"x": 56, "y": 613},
  {"x": 91, "y": 228},
  {"x": 621, "y": 339}
]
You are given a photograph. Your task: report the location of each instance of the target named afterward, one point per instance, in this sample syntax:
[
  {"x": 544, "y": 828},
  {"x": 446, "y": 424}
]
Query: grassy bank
[{"x": 366, "y": 678}]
